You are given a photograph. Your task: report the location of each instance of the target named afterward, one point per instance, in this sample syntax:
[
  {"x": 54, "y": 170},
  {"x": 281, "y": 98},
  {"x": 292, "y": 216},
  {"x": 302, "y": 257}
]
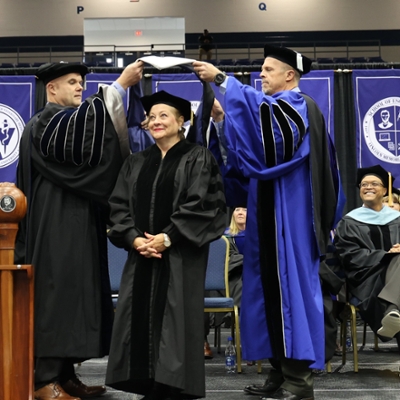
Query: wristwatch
[
  {"x": 167, "y": 240},
  {"x": 219, "y": 78}
]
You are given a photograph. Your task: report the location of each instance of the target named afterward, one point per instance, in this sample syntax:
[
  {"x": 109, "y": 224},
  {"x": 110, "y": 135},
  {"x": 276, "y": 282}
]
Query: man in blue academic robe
[{"x": 277, "y": 139}]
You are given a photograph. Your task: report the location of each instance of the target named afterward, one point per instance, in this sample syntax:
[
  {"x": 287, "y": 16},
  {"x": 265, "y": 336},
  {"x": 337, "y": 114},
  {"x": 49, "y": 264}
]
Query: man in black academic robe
[{"x": 70, "y": 156}]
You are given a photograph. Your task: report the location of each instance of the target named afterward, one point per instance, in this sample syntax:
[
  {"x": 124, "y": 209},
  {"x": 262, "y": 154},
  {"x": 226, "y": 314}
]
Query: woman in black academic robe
[{"x": 167, "y": 205}]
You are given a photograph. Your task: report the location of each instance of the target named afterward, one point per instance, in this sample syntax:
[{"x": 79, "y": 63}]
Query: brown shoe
[
  {"x": 208, "y": 354},
  {"x": 75, "y": 387},
  {"x": 53, "y": 391}
]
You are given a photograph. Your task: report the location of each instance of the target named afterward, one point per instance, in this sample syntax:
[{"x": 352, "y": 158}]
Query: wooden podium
[{"x": 16, "y": 303}]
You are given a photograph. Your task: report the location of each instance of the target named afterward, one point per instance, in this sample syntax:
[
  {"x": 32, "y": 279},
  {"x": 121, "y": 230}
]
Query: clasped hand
[
  {"x": 395, "y": 248},
  {"x": 150, "y": 245}
]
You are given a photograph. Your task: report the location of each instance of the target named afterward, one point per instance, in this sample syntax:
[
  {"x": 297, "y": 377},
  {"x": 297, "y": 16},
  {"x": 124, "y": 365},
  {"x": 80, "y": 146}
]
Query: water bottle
[{"x": 230, "y": 357}]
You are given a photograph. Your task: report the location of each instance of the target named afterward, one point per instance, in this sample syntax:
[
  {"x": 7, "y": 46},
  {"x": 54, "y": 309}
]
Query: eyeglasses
[{"x": 367, "y": 184}]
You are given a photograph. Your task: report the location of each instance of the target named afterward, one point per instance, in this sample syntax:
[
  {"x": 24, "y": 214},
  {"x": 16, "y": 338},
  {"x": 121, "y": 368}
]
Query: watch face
[{"x": 219, "y": 78}]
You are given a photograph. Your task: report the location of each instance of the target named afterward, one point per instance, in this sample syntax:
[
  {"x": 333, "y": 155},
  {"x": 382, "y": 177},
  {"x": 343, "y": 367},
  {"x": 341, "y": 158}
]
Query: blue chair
[
  {"x": 23, "y": 65},
  {"x": 217, "y": 279},
  {"x": 377, "y": 59},
  {"x": 242, "y": 61},
  {"x": 7, "y": 65},
  {"x": 116, "y": 261},
  {"x": 225, "y": 61},
  {"x": 358, "y": 60},
  {"x": 324, "y": 60},
  {"x": 258, "y": 61},
  {"x": 341, "y": 60}
]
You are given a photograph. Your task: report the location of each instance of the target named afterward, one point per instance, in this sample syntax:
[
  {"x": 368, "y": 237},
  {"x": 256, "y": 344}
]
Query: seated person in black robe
[{"x": 367, "y": 240}]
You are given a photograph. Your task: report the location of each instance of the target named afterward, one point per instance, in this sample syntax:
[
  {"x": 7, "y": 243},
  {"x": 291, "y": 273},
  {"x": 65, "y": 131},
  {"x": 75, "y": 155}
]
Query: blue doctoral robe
[{"x": 291, "y": 206}]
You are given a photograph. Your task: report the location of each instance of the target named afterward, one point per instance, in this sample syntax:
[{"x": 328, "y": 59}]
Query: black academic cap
[
  {"x": 162, "y": 97},
  {"x": 376, "y": 170},
  {"x": 49, "y": 71},
  {"x": 396, "y": 191},
  {"x": 296, "y": 60}
]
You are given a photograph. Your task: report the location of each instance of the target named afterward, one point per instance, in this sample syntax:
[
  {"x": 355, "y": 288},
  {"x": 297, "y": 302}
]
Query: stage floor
[{"x": 378, "y": 376}]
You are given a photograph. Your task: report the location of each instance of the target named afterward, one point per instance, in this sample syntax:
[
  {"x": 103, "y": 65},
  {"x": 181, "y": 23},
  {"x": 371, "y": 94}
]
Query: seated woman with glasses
[{"x": 368, "y": 242}]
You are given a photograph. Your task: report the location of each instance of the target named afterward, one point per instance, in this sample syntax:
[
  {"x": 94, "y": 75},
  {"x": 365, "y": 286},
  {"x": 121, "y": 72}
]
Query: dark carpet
[{"x": 378, "y": 376}]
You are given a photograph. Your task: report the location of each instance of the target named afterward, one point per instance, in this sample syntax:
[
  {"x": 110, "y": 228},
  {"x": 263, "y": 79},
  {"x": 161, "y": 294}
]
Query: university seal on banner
[
  {"x": 381, "y": 129},
  {"x": 11, "y": 128}
]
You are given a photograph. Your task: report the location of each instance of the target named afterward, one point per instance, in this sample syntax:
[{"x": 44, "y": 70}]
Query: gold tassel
[
  {"x": 191, "y": 117},
  {"x": 390, "y": 202}
]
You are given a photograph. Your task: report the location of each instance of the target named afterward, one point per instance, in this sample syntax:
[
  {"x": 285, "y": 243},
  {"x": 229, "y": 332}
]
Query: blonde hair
[
  {"x": 395, "y": 198},
  {"x": 233, "y": 227},
  {"x": 178, "y": 114}
]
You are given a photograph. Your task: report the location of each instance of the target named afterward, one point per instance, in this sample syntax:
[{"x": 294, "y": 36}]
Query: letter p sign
[{"x": 79, "y": 9}]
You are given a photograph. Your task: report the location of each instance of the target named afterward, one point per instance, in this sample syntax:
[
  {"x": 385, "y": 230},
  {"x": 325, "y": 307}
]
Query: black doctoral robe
[
  {"x": 158, "y": 333},
  {"x": 363, "y": 249},
  {"x": 235, "y": 271},
  {"x": 69, "y": 162}
]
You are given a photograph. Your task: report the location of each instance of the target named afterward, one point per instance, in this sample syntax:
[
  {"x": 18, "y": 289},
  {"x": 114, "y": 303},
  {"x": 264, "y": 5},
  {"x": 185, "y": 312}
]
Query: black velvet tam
[
  {"x": 296, "y": 60},
  {"x": 376, "y": 170},
  {"x": 163, "y": 97},
  {"x": 50, "y": 71}
]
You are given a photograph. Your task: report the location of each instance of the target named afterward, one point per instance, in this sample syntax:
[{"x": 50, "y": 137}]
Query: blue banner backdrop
[
  {"x": 377, "y": 107},
  {"x": 319, "y": 86},
  {"x": 17, "y": 99},
  {"x": 93, "y": 82},
  {"x": 186, "y": 86}
]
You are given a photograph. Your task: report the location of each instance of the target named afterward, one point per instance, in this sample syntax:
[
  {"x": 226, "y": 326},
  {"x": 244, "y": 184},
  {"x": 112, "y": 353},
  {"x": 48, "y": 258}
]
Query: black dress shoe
[
  {"x": 285, "y": 394},
  {"x": 267, "y": 388}
]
